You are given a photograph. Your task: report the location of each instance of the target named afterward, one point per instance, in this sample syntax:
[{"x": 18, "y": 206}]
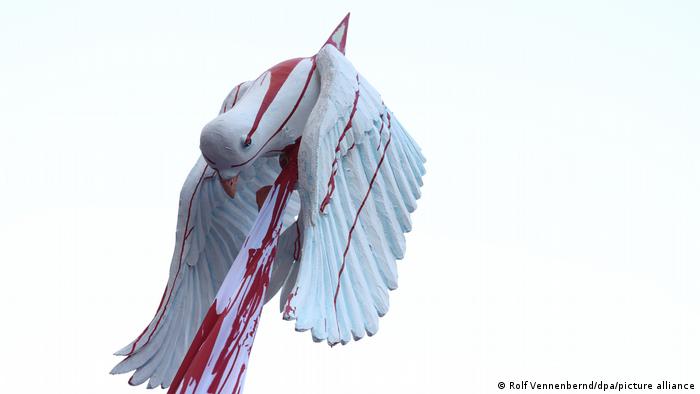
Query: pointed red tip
[{"x": 340, "y": 35}]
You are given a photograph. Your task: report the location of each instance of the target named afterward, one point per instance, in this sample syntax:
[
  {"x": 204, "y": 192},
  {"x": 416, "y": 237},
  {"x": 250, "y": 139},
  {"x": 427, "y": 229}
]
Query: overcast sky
[{"x": 558, "y": 233}]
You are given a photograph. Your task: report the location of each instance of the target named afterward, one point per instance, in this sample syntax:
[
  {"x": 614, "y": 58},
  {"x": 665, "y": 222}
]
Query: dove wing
[
  {"x": 211, "y": 228},
  {"x": 359, "y": 179}
]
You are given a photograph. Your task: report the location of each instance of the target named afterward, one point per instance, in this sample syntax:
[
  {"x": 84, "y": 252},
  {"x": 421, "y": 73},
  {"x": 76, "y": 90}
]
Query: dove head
[{"x": 261, "y": 117}]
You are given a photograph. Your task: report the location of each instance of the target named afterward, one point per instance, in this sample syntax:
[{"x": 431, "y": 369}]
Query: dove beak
[{"x": 229, "y": 185}]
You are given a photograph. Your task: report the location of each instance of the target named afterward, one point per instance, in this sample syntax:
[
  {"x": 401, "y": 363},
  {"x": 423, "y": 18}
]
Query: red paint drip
[
  {"x": 296, "y": 105},
  {"x": 297, "y": 242},
  {"x": 235, "y": 98},
  {"x": 288, "y": 309},
  {"x": 189, "y": 232},
  {"x": 334, "y": 165},
  {"x": 352, "y": 228},
  {"x": 380, "y": 134},
  {"x": 186, "y": 234},
  {"x": 241, "y": 315},
  {"x": 278, "y": 76}
]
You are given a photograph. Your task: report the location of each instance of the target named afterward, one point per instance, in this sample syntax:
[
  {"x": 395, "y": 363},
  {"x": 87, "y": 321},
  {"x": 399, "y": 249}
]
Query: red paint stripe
[
  {"x": 354, "y": 223},
  {"x": 235, "y": 98},
  {"x": 340, "y": 45},
  {"x": 182, "y": 249},
  {"x": 279, "y": 129},
  {"x": 352, "y": 112},
  {"x": 380, "y": 135},
  {"x": 334, "y": 165},
  {"x": 278, "y": 76}
]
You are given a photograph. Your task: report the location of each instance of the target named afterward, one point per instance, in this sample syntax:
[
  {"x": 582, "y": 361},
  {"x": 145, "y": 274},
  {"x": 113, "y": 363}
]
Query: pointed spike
[{"x": 339, "y": 36}]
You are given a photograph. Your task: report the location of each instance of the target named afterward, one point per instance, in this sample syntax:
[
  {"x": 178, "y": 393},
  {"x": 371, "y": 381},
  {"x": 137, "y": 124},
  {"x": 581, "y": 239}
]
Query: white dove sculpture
[{"x": 305, "y": 184}]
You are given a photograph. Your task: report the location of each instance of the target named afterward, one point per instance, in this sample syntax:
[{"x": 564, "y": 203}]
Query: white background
[{"x": 558, "y": 233}]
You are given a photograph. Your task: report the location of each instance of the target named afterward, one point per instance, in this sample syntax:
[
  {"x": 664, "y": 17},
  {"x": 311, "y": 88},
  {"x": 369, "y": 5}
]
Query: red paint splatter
[
  {"x": 242, "y": 312},
  {"x": 288, "y": 309},
  {"x": 334, "y": 164}
]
